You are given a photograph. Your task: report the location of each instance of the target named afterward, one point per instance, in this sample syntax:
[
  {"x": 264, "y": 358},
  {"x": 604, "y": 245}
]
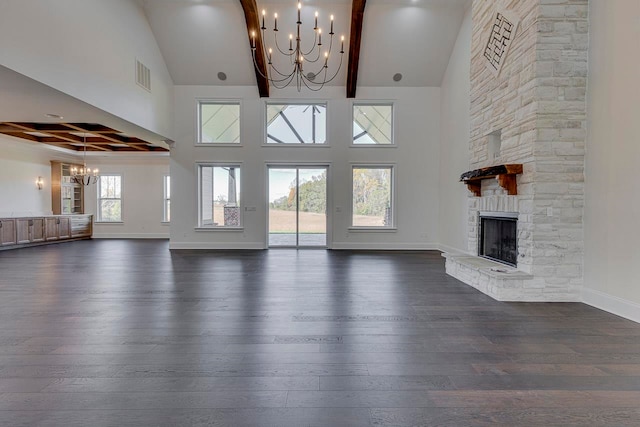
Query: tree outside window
[
  {"x": 110, "y": 198},
  {"x": 372, "y": 196}
]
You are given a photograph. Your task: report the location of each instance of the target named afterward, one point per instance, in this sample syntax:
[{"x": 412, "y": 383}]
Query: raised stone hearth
[
  {"x": 497, "y": 280},
  {"x": 532, "y": 111}
]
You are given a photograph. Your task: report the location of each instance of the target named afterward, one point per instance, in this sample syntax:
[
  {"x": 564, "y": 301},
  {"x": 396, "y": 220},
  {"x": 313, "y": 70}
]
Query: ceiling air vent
[{"x": 143, "y": 75}]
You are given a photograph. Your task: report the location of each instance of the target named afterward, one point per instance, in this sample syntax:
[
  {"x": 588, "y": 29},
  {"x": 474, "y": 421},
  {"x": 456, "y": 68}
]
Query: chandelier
[
  {"x": 306, "y": 67},
  {"x": 84, "y": 175}
]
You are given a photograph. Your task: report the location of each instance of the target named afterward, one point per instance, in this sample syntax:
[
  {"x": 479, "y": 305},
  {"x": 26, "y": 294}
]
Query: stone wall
[{"x": 537, "y": 102}]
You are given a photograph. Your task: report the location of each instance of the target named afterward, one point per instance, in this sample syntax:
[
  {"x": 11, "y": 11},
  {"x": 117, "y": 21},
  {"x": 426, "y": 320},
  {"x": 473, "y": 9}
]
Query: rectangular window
[
  {"x": 167, "y": 199},
  {"x": 296, "y": 123},
  {"x": 218, "y": 122},
  {"x": 372, "y": 188},
  {"x": 373, "y": 124},
  {"x": 110, "y": 198},
  {"x": 219, "y": 195}
]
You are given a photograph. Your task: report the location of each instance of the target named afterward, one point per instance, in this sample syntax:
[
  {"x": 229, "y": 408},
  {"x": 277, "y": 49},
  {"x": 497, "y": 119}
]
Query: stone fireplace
[{"x": 528, "y": 107}]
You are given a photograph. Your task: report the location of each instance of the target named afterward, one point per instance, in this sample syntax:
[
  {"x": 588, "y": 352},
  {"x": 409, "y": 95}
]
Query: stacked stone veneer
[{"x": 538, "y": 101}]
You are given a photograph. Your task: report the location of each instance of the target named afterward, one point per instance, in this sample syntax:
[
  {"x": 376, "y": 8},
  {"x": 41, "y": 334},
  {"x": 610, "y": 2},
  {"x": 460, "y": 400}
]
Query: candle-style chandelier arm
[
  {"x": 316, "y": 31},
  {"x": 275, "y": 38},
  {"x": 319, "y": 85},
  {"x": 277, "y": 85},
  {"x": 309, "y": 53},
  {"x": 271, "y": 79}
]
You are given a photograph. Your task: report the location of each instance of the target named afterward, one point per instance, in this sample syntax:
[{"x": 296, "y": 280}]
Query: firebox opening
[{"x": 498, "y": 237}]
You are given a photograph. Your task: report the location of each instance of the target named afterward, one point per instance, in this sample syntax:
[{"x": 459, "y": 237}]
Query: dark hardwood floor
[{"x": 127, "y": 333}]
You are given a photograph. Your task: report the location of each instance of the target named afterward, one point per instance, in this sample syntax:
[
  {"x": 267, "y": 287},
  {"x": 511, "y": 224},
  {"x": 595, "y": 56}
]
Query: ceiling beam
[
  {"x": 252, "y": 18},
  {"x": 22, "y": 135},
  {"x": 357, "y": 18}
]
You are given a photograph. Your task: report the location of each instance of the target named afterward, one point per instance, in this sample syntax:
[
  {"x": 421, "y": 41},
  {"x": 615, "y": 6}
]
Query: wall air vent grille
[{"x": 143, "y": 75}]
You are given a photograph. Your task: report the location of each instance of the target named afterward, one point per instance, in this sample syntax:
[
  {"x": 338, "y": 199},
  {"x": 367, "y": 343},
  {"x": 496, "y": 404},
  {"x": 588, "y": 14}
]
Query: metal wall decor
[{"x": 503, "y": 31}]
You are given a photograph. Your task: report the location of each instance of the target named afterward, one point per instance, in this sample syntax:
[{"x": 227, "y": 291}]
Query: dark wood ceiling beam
[
  {"x": 5, "y": 128},
  {"x": 69, "y": 137},
  {"x": 357, "y": 18},
  {"x": 24, "y": 127},
  {"x": 252, "y": 18},
  {"x": 62, "y": 145},
  {"x": 90, "y": 147},
  {"x": 17, "y": 134}
]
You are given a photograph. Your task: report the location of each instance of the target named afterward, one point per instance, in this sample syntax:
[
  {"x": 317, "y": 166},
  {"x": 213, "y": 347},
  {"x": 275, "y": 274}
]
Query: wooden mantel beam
[
  {"x": 357, "y": 18},
  {"x": 252, "y": 18},
  {"x": 504, "y": 174}
]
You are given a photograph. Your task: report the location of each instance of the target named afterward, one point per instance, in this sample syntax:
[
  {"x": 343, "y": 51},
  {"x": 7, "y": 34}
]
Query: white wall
[
  {"x": 21, "y": 163},
  {"x": 417, "y": 112},
  {"x": 142, "y": 196},
  {"x": 89, "y": 48},
  {"x": 612, "y": 206},
  {"x": 454, "y": 142}
]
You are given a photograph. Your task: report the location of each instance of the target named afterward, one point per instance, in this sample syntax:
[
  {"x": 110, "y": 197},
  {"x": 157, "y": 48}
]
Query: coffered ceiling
[{"x": 75, "y": 136}]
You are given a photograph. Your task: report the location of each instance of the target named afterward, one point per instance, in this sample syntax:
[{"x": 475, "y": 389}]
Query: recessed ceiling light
[
  {"x": 222, "y": 76},
  {"x": 54, "y": 116},
  {"x": 311, "y": 76},
  {"x": 397, "y": 77}
]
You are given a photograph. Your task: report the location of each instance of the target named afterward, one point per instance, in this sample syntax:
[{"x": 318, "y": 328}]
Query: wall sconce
[{"x": 39, "y": 183}]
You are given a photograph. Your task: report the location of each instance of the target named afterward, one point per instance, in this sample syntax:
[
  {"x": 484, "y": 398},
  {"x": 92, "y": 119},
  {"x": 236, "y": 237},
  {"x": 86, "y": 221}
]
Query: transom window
[
  {"x": 296, "y": 123},
  {"x": 109, "y": 198},
  {"x": 219, "y": 195},
  {"x": 372, "y": 188},
  {"x": 373, "y": 124},
  {"x": 218, "y": 122}
]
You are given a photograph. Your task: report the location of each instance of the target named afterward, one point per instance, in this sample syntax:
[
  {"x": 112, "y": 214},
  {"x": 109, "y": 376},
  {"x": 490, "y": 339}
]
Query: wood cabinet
[
  {"x": 57, "y": 228},
  {"x": 64, "y": 227},
  {"x": 18, "y": 232},
  {"x": 67, "y": 196},
  {"x": 30, "y": 230},
  {"x": 81, "y": 225},
  {"x": 8, "y": 232},
  {"x": 51, "y": 228}
]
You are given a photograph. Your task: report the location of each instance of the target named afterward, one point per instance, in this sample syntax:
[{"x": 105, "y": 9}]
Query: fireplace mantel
[{"x": 505, "y": 174}]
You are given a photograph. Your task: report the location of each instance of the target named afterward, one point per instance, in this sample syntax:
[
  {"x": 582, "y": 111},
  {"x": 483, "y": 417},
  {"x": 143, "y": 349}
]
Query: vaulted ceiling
[{"x": 201, "y": 38}]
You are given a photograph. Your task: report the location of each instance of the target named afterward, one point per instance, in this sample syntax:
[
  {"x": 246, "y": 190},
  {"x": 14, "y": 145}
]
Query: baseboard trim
[
  {"x": 615, "y": 305},
  {"x": 384, "y": 246},
  {"x": 216, "y": 246},
  {"x": 130, "y": 235}
]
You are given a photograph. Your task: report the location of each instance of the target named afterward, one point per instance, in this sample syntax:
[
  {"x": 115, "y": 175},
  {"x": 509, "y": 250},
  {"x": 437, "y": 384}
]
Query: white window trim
[
  {"x": 380, "y": 229},
  {"x": 199, "y": 226},
  {"x": 98, "y": 199},
  {"x": 198, "y": 131},
  {"x": 393, "y": 124},
  {"x": 295, "y": 102},
  {"x": 164, "y": 198}
]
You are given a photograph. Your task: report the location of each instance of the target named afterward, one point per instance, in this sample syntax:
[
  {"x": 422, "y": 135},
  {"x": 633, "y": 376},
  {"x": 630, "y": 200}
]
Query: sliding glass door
[{"x": 297, "y": 206}]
